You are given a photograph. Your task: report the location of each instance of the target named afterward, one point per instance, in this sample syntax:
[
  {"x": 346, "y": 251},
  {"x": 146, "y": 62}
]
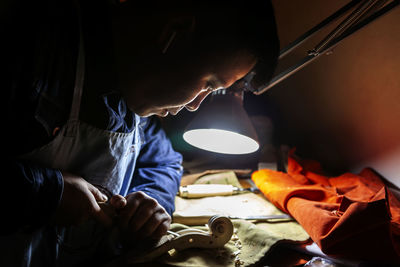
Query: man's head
[{"x": 172, "y": 54}]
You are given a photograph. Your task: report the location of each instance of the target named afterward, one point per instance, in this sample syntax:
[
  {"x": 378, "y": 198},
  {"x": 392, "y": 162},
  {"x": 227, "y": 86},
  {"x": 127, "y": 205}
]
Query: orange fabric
[{"x": 351, "y": 216}]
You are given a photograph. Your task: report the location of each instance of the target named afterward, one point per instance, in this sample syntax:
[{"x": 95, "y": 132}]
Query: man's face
[{"x": 186, "y": 82}]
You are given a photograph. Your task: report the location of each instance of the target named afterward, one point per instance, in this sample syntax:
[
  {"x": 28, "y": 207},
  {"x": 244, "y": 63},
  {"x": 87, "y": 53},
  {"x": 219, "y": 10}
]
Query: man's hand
[
  {"x": 79, "y": 203},
  {"x": 141, "y": 217}
]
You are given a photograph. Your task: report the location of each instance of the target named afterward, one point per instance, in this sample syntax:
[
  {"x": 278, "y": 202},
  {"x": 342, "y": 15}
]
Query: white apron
[{"x": 101, "y": 157}]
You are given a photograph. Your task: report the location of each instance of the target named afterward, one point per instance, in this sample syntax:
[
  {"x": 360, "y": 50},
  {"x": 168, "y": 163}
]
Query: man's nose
[{"x": 195, "y": 104}]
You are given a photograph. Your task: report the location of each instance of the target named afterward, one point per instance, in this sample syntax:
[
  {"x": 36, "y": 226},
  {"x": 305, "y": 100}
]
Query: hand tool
[{"x": 210, "y": 190}]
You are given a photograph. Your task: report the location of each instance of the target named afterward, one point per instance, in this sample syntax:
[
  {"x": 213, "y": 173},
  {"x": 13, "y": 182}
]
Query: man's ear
[{"x": 178, "y": 28}]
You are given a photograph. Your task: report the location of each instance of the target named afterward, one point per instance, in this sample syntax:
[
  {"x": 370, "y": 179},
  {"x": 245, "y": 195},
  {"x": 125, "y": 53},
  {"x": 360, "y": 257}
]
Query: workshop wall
[{"x": 343, "y": 109}]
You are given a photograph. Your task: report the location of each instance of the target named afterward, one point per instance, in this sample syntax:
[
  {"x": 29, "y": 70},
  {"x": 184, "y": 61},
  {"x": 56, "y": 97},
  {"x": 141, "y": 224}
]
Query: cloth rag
[{"x": 350, "y": 216}]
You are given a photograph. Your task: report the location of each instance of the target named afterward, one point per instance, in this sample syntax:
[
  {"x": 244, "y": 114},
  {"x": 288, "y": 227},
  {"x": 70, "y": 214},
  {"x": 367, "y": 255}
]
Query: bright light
[{"x": 221, "y": 141}]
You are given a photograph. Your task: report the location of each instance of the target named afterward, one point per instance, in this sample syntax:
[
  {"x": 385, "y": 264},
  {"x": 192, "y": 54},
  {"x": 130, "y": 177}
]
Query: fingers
[
  {"x": 98, "y": 213},
  {"x": 146, "y": 210},
  {"x": 96, "y": 193},
  {"x": 101, "y": 216},
  {"x": 162, "y": 229},
  {"x": 79, "y": 203},
  {"x": 133, "y": 202},
  {"x": 118, "y": 202},
  {"x": 156, "y": 226},
  {"x": 143, "y": 217}
]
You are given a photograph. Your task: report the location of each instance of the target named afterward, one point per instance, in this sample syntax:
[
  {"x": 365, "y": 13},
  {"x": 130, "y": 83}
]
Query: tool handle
[
  {"x": 191, "y": 220},
  {"x": 206, "y": 190}
]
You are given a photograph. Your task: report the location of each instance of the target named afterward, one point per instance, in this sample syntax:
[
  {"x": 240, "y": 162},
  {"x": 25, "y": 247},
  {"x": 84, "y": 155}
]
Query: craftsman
[{"x": 82, "y": 83}]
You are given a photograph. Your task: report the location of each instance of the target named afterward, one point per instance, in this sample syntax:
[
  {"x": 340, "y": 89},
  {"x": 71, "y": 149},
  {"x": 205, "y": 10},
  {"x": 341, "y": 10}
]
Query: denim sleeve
[
  {"x": 29, "y": 196},
  {"x": 158, "y": 168}
]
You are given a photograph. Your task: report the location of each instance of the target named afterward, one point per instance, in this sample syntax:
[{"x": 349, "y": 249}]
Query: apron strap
[{"x": 79, "y": 75}]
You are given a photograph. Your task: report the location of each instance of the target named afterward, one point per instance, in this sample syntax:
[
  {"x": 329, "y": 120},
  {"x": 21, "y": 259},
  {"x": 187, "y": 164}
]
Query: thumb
[
  {"x": 99, "y": 196},
  {"x": 98, "y": 212},
  {"x": 118, "y": 201}
]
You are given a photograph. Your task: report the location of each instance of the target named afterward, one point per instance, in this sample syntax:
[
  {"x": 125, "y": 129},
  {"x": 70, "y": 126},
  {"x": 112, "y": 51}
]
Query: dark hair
[
  {"x": 246, "y": 24},
  {"x": 225, "y": 24}
]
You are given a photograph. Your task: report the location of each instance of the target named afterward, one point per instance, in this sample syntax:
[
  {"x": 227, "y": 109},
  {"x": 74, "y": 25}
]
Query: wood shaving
[
  {"x": 238, "y": 244},
  {"x": 234, "y": 237},
  {"x": 238, "y": 261},
  {"x": 235, "y": 253}
]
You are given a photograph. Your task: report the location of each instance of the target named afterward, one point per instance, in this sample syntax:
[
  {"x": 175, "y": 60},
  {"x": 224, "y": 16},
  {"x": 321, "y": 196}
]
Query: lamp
[{"x": 222, "y": 125}]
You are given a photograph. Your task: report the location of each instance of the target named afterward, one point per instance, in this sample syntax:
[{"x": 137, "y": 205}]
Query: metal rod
[
  {"x": 310, "y": 58},
  {"x": 304, "y": 37},
  {"x": 377, "y": 6},
  {"x": 345, "y": 24},
  {"x": 389, "y": 7},
  {"x": 288, "y": 72}
]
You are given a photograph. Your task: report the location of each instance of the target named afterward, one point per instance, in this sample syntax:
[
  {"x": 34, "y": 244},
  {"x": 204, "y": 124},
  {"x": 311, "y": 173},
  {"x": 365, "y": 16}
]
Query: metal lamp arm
[{"x": 364, "y": 14}]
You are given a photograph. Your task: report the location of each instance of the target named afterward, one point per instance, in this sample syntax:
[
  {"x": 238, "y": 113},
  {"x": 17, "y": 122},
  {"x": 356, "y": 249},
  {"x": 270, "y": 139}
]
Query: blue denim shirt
[{"x": 38, "y": 92}]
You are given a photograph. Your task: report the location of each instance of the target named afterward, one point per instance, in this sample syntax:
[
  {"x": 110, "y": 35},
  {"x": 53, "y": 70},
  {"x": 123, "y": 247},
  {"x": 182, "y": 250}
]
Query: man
[{"x": 85, "y": 78}]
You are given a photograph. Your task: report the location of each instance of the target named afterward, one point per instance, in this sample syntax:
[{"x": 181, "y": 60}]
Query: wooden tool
[{"x": 210, "y": 190}]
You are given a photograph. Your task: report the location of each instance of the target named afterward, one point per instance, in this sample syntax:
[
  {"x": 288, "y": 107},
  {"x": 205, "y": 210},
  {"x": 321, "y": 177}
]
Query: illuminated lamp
[{"x": 223, "y": 126}]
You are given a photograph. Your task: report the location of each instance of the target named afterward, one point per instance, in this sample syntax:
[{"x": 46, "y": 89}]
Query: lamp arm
[
  {"x": 344, "y": 25},
  {"x": 354, "y": 22},
  {"x": 317, "y": 28}
]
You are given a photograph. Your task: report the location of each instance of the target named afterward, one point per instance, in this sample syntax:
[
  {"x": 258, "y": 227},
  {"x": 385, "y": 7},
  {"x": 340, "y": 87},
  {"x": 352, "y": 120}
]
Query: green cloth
[{"x": 255, "y": 240}]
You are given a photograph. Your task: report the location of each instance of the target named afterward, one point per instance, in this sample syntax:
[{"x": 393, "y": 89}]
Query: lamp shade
[{"x": 223, "y": 126}]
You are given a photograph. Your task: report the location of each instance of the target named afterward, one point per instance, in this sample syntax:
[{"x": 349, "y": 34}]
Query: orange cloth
[{"x": 350, "y": 216}]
